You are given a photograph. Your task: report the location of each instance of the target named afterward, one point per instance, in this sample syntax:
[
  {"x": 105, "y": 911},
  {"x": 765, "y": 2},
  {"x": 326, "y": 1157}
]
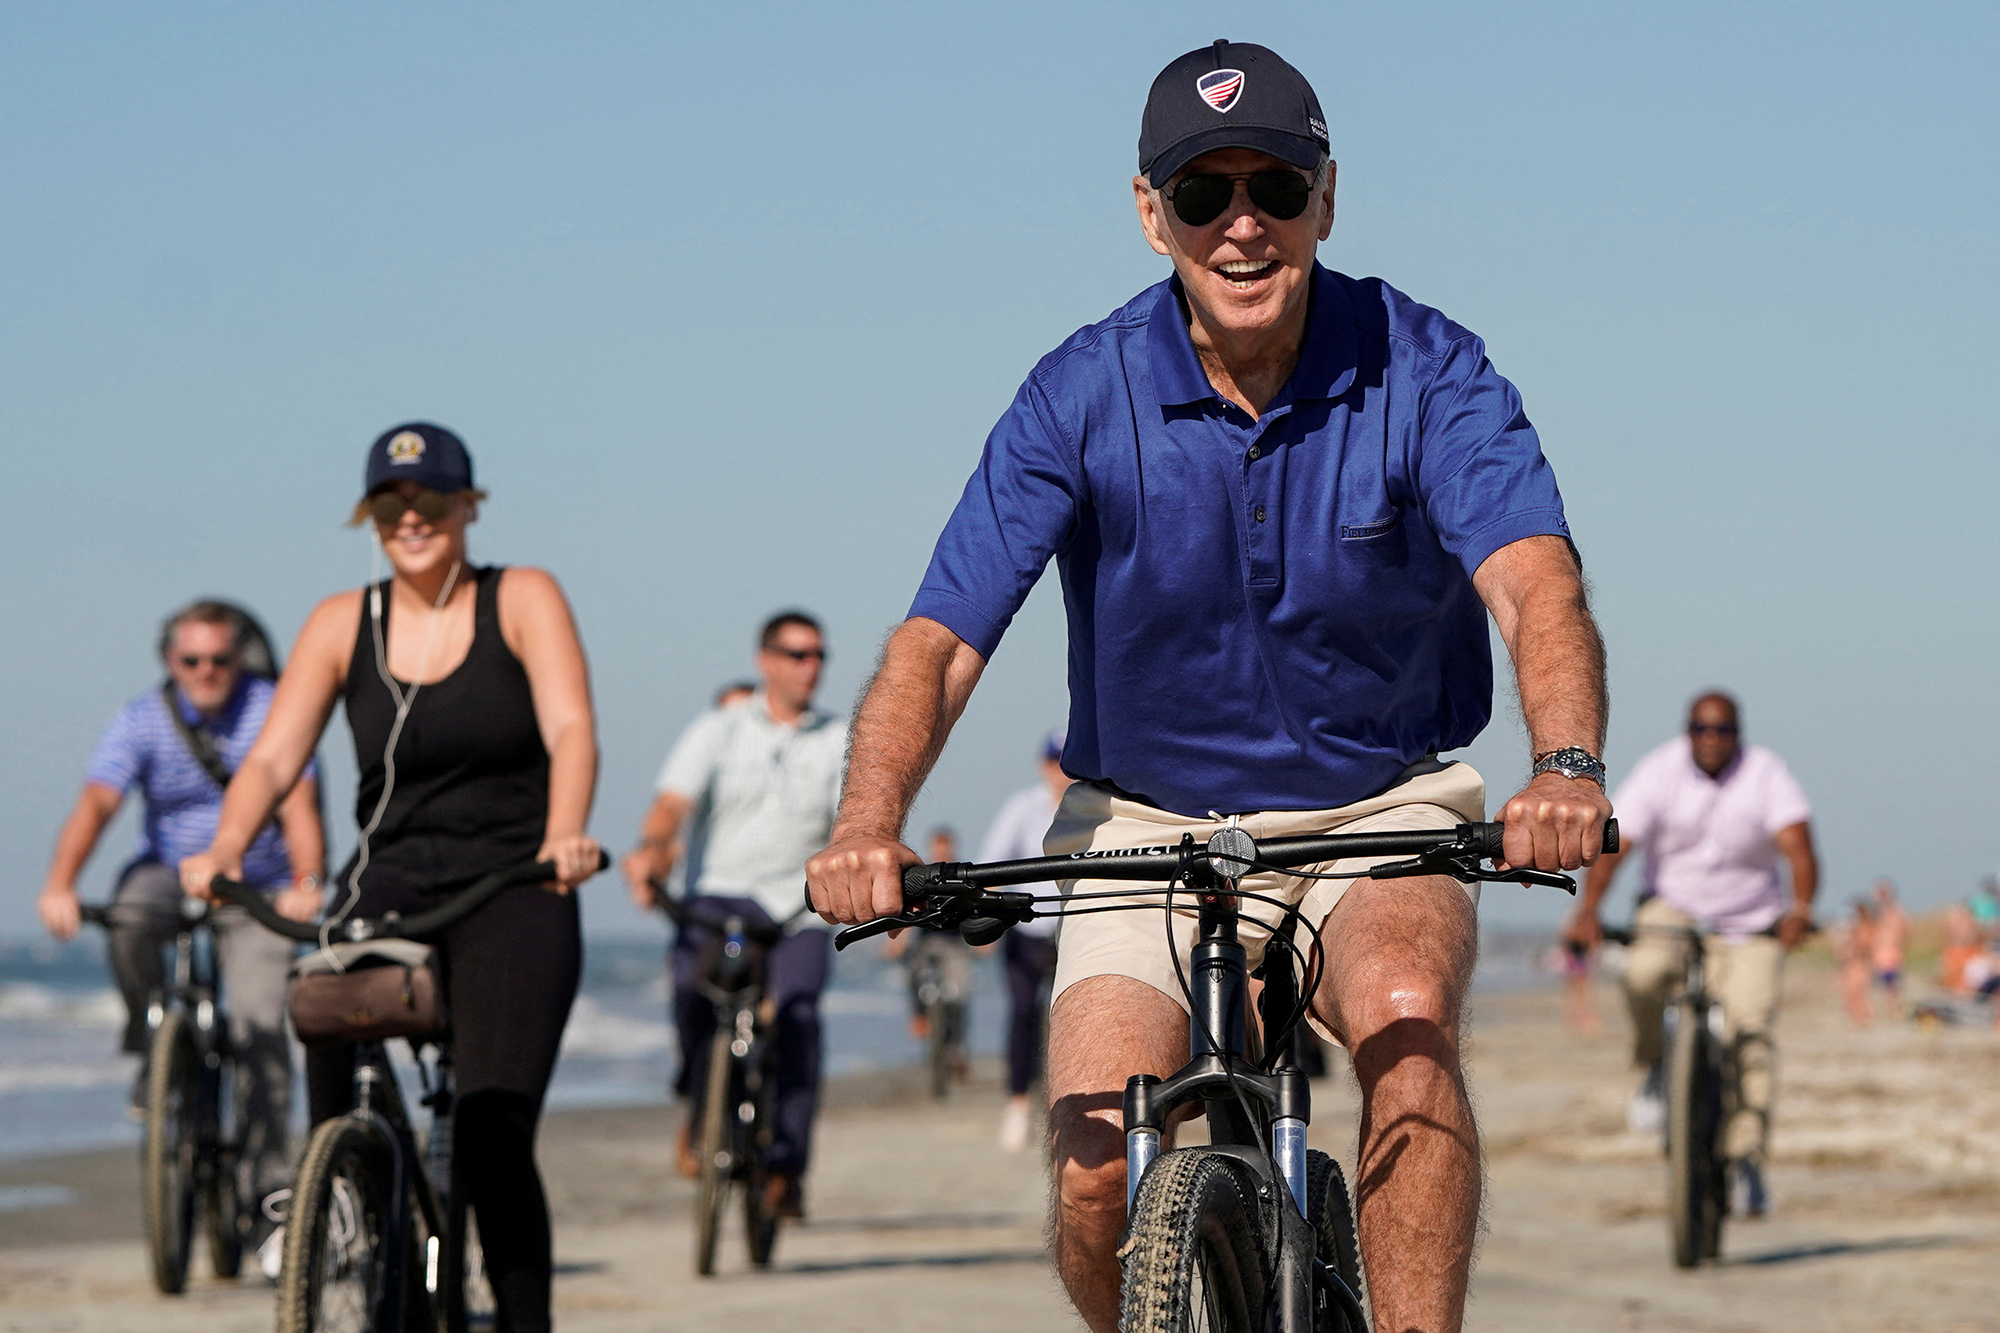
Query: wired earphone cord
[{"x": 404, "y": 702}]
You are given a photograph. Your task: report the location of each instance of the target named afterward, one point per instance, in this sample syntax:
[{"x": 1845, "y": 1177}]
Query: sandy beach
[{"x": 1886, "y": 1185}]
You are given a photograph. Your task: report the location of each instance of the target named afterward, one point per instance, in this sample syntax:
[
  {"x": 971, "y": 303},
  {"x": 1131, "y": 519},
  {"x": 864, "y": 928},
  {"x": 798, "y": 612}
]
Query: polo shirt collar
[
  {"x": 1326, "y": 361},
  {"x": 226, "y": 718},
  {"x": 760, "y": 709}
]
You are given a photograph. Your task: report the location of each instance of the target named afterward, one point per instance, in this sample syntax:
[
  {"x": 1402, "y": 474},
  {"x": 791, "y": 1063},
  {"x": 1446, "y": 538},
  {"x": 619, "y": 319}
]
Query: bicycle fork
[{"x": 1268, "y": 1135}]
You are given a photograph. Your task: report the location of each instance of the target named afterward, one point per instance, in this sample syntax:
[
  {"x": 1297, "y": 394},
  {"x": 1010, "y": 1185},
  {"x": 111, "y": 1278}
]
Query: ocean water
[{"x": 63, "y": 1082}]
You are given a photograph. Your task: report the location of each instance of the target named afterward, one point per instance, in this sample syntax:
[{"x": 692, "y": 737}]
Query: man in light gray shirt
[{"x": 754, "y": 785}]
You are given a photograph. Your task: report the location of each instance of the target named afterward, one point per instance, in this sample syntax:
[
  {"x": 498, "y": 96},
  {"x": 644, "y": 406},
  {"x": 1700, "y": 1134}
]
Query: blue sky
[{"x": 725, "y": 298}]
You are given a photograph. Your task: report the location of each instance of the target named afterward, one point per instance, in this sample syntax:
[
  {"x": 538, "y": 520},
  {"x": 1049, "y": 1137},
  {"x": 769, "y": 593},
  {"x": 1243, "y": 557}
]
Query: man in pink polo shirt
[{"x": 1714, "y": 817}]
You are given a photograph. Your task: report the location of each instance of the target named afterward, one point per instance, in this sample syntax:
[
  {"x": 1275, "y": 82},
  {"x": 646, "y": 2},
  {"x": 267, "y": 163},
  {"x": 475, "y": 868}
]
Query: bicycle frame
[{"x": 1220, "y": 1072}]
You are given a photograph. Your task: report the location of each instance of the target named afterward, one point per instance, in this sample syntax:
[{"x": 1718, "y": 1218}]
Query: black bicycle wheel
[
  {"x": 1194, "y": 1249},
  {"x": 170, "y": 1158},
  {"x": 718, "y": 1159},
  {"x": 334, "y": 1254},
  {"x": 1331, "y": 1212},
  {"x": 222, "y": 1195},
  {"x": 1693, "y": 1084},
  {"x": 222, "y": 1210},
  {"x": 760, "y": 1222}
]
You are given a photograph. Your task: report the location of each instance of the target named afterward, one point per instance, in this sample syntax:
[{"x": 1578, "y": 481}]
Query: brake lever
[
  {"x": 882, "y": 925},
  {"x": 1465, "y": 868}
]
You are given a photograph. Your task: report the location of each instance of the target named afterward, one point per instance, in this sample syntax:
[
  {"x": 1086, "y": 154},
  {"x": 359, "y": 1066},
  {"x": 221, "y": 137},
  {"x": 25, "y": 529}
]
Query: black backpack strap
[{"x": 196, "y": 736}]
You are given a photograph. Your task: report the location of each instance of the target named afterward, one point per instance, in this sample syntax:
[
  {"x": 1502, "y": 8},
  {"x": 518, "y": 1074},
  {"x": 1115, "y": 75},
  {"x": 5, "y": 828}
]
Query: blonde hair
[{"x": 361, "y": 514}]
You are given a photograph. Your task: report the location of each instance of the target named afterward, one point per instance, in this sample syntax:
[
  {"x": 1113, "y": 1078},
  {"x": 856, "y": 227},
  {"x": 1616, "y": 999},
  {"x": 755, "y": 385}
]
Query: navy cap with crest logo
[
  {"x": 1229, "y": 95},
  {"x": 431, "y": 456}
]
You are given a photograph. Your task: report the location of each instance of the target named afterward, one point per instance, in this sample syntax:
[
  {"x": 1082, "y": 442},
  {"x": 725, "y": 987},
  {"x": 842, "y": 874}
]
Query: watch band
[{"x": 1572, "y": 761}]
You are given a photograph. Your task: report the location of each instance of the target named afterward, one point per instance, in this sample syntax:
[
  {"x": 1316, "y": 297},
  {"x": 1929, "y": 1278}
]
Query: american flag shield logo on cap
[{"x": 1220, "y": 88}]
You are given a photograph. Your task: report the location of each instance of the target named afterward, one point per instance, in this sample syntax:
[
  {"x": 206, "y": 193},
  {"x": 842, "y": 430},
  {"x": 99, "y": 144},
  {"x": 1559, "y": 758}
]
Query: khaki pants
[
  {"x": 1134, "y": 944},
  {"x": 1745, "y": 976}
]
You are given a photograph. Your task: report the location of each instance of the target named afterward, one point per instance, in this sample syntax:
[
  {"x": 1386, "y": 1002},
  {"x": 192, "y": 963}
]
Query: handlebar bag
[{"x": 367, "y": 990}]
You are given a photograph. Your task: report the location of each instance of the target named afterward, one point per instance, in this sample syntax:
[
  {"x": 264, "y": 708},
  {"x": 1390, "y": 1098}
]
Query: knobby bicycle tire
[
  {"x": 1693, "y": 1215},
  {"x": 718, "y": 1163},
  {"x": 1194, "y": 1253},
  {"x": 169, "y": 1160},
  {"x": 1331, "y": 1212},
  {"x": 334, "y": 1261}
]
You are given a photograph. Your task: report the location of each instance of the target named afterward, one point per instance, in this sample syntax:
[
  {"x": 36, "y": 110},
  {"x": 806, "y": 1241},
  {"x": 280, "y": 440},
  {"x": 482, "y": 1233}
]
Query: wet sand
[{"x": 1886, "y": 1185}]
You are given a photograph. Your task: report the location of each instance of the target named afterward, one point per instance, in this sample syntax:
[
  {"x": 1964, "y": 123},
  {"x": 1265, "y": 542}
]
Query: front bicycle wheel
[
  {"x": 1193, "y": 1252},
  {"x": 170, "y": 1156},
  {"x": 334, "y": 1251},
  {"x": 222, "y": 1194},
  {"x": 1693, "y": 1107},
  {"x": 1331, "y": 1212},
  {"x": 718, "y": 1158},
  {"x": 760, "y": 1221}
]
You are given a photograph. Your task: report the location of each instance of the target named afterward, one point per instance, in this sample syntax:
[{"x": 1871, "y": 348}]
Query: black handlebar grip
[
  {"x": 916, "y": 881},
  {"x": 1489, "y": 837}
]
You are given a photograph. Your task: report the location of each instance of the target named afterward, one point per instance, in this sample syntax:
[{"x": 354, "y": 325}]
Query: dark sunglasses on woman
[
  {"x": 390, "y": 506},
  {"x": 1199, "y": 199}
]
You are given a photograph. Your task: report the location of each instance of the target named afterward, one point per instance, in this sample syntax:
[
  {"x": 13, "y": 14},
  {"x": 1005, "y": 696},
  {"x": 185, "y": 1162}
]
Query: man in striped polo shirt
[{"x": 222, "y": 699}]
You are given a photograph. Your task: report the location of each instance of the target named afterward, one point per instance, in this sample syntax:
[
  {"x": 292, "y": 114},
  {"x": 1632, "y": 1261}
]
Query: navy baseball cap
[
  {"x": 431, "y": 456},
  {"x": 1229, "y": 95}
]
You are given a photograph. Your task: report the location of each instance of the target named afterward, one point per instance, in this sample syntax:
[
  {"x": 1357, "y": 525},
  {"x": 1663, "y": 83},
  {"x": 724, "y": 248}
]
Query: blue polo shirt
[
  {"x": 142, "y": 748},
  {"x": 1268, "y": 614}
]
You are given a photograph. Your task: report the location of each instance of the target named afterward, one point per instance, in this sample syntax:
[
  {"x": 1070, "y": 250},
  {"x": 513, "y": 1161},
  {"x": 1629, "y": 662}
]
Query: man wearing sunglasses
[
  {"x": 1715, "y": 817},
  {"x": 754, "y": 784},
  {"x": 1283, "y": 502},
  {"x": 219, "y": 690}
]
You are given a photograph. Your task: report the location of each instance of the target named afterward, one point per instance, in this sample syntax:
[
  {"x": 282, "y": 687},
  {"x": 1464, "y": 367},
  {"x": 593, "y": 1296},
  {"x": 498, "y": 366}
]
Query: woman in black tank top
[{"x": 464, "y": 769}]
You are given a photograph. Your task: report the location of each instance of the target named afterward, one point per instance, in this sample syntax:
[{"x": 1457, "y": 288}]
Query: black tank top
[{"x": 472, "y": 775}]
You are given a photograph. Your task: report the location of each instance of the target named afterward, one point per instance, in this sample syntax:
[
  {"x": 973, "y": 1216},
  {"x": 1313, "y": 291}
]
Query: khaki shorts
[{"x": 1134, "y": 943}]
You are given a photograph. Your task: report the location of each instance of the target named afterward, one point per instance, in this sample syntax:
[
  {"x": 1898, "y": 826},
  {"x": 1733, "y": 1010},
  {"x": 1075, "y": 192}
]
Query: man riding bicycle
[
  {"x": 753, "y": 787},
  {"x": 1715, "y": 816},
  {"x": 177, "y": 744},
  {"x": 1278, "y": 497}
]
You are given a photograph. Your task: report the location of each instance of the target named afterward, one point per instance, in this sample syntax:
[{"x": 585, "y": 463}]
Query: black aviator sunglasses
[{"x": 1200, "y": 199}]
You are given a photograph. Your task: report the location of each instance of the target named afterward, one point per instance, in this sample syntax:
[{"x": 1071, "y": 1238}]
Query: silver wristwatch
[{"x": 1572, "y": 762}]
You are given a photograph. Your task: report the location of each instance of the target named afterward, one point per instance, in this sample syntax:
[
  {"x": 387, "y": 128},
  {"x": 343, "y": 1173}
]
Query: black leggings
[{"x": 510, "y": 976}]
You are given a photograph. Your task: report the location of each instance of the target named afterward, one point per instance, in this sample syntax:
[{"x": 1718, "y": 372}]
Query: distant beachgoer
[
  {"x": 1892, "y": 938},
  {"x": 1853, "y": 947},
  {"x": 1961, "y": 945},
  {"x": 755, "y": 785},
  {"x": 1715, "y": 817},
  {"x": 1579, "y": 1003},
  {"x": 1029, "y": 949},
  {"x": 178, "y": 743},
  {"x": 1986, "y": 908}
]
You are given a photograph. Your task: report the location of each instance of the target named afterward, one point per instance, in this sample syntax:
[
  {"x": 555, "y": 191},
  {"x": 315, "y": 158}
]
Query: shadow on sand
[
  {"x": 975, "y": 1260},
  {"x": 1835, "y": 1249}
]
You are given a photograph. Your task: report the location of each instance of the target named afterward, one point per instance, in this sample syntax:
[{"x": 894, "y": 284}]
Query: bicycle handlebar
[
  {"x": 1143, "y": 863},
  {"x": 393, "y": 925},
  {"x": 982, "y": 916}
]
